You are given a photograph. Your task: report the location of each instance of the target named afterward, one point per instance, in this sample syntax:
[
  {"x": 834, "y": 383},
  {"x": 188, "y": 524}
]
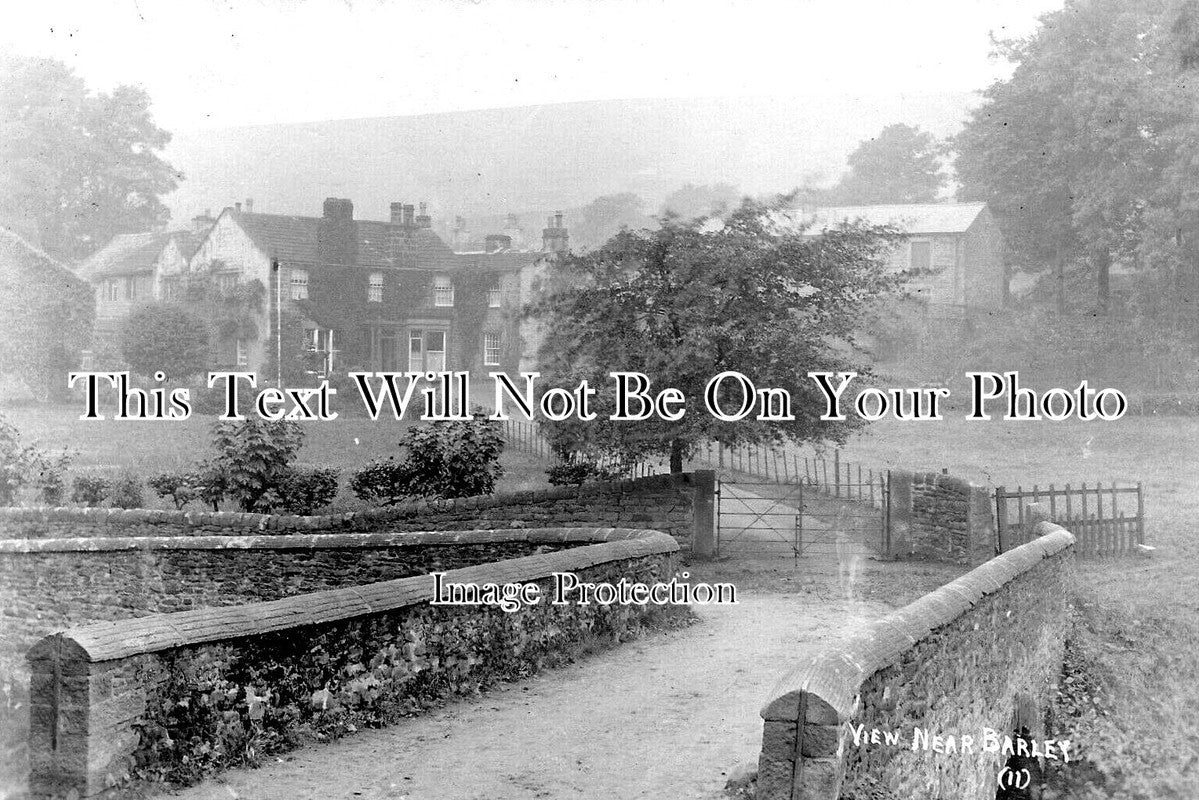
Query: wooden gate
[
  {"x": 798, "y": 519},
  {"x": 1106, "y": 520}
]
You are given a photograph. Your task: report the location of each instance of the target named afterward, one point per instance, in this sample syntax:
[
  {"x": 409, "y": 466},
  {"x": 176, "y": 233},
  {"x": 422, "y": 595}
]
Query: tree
[
  {"x": 1085, "y": 153},
  {"x": 77, "y": 167},
  {"x": 604, "y": 216},
  {"x": 900, "y": 165},
  {"x": 691, "y": 201},
  {"x": 255, "y": 458},
  {"x": 690, "y": 300},
  {"x": 165, "y": 336}
]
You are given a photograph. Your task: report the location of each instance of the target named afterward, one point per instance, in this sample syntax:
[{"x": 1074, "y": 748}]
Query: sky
[{"x": 216, "y": 64}]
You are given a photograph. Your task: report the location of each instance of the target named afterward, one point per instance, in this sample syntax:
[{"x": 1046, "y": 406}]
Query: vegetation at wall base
[{"x": 440, "y": 459}]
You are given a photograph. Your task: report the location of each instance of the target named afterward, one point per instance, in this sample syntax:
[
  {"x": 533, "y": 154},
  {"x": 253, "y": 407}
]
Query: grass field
[{"x": 1131, "y": 705}]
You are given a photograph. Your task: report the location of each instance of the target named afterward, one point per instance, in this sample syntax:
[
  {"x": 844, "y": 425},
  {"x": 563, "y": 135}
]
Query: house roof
[
  {"x": 293, "y": 239},
  {"x": 126, "y": 254},
  {"x": 14, "y": 250},
  {"x": 913, "y": 218}
]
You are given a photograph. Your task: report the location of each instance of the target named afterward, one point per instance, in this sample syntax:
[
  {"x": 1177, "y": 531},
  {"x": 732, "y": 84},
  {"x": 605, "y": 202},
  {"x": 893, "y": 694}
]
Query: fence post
[
  {"x": 1001, "y": 519},
  {"x": 1140, "y": 513},
  {"x": 837, "y": 472}
]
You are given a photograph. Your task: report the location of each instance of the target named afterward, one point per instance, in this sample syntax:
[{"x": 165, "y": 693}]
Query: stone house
[
  {"x": 953, "y": 251},
  {"x": 45, "y": 316},
  {"x": 376, "y": 295},
  {"x": 134, "y": 268}
]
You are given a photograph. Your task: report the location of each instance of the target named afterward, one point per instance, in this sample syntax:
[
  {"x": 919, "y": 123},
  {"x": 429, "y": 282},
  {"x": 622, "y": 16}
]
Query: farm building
[{"x": 952, "y": 251}]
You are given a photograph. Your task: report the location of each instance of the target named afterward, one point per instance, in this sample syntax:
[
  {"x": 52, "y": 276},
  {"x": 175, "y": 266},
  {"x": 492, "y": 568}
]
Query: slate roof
[
  {"x": 913, "y": 218},
  {"x": 293, "y": 239},
  {"x": 15, "y": 251},
  {"x": 126, "y": 254}
]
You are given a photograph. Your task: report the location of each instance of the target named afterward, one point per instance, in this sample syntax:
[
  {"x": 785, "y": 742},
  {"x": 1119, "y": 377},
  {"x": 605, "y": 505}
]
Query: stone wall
[
  {"x": 49, "y": 584},
  {"x": 978, "y": 654},
  {"x": 106, "y": 697},
  {"x": 941, "y": 518},
  {"x": 673, "y": 504}
]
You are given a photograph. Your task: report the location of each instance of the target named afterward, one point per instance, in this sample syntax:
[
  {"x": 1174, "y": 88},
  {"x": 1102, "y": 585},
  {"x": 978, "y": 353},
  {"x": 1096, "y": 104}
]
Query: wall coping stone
[
  {"x": 356, "y": 519},
  {"x": 830, "y": 680},
  {"x": 107, "y": 641},
  {"x": 318, "y": 541}
]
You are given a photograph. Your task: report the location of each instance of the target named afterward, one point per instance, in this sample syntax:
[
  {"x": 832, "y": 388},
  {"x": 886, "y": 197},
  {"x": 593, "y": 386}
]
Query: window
[
  {"x": 170, "y": 287},
  {"x": 130, "y": 288},
  {"x": 227, "y": 281},
  {"x": 443, "y": 291},
  {"x": 374, "y": 291},
  {"x": 108, "y": 290},
  {"x": 922, "y": 256},
  {"x": 299, "y": 284},
  {"x": 491, "y": 349},
  {"x": 426, "y": 351},
  {"x": 494, "y": 298},
  {"x": 243, "y": 353},
  {"x": 321, "y": 341}
]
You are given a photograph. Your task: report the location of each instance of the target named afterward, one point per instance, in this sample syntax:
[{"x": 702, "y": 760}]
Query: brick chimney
[
  {"x": 249, "y": 205},
  {"x": 423, "y": 220},
  {"x": 337, "y": 233},
  {"x": 397, "y": 213},
  {"x": 460, "y": 234},
  {"x": 202, "y": 222},
  {"x": 555, "y": 238},
  {"x": 237, "y": 207},
  {"x": 409, "y": 215}
]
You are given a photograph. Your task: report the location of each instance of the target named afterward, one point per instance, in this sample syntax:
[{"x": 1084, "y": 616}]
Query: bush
[
  {"x": 576, "y": 471},
  {"x": 304, "y": 491},
  {"x": 18, "y": 463},
  {"x": 89, "y": 490},
  {"x": 254, "y": 457},
  {"x": 51, "y": 479},
  {"x": 167, "y": 337},
  {"x": 180, "y": 487},
  {"x": 443, "y": 459},
  {"x": 126, "y": 492}
]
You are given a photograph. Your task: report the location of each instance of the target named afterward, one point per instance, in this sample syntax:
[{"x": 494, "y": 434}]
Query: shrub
[
  {"x": 18, "y": 463},
  {"x": 126, "y": 492},
  {"x": 443, "y": 459},
  {"x": 304, "y": 491},
  {"x": 574, "y": 471},
  {"x": 167, "y": 337},
  {"x": 89, "y": 490},
  {"x": 253, "y": 458},
  {"x": 180, "y": 487},
  {"x": 51, "y": 479}
]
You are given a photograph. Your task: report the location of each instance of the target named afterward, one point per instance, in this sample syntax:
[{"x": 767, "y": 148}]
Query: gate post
[{"x": 703, "y": 514}]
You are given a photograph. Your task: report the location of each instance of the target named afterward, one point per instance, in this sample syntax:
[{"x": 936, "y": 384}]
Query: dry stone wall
[
  {"x": 941, "y": 518},
  {"x": 106, "y": 699},
  {"x": 673, "y": 504},
  {"x": 972, "y": 656}
]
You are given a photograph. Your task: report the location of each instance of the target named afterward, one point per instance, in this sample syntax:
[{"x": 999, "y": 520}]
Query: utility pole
[{"x": 278, "y": 322}]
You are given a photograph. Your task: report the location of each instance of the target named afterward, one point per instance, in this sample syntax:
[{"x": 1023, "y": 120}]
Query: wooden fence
[
  {"x": 526, "y": 437},
  {"x": 1101, "y": 517},
  {"x": 835, "y": 477}
]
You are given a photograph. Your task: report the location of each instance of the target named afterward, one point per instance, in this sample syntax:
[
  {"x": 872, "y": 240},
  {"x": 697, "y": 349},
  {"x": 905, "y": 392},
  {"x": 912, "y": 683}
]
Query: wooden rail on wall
[
  {"x": 1094, "y": 514},
  {"x": 836, "y": 477}
]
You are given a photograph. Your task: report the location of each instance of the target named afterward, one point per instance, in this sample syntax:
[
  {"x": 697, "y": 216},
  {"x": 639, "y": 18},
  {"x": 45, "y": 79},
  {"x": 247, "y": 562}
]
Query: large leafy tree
[
  {"x": 77, "y": 167},
  {"x": 1085, "y": 152},
  {"x": 900, "y": 165},
  {"x": 692, "y": 299},
  {"x": 605, "y": 216},
  {"x": 167, "y": 337},
  {"x": 690, "y": 201}
]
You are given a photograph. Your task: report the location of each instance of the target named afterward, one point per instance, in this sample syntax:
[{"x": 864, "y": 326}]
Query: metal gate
[{"x": 800, "y": 519}]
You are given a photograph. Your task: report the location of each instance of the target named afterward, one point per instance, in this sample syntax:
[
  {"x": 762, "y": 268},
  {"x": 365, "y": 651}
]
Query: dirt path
[{"x": 667, "y": 717}]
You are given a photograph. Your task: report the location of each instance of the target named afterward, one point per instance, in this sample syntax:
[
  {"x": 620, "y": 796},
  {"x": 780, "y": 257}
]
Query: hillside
[{"x": 538, "y": 158}]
